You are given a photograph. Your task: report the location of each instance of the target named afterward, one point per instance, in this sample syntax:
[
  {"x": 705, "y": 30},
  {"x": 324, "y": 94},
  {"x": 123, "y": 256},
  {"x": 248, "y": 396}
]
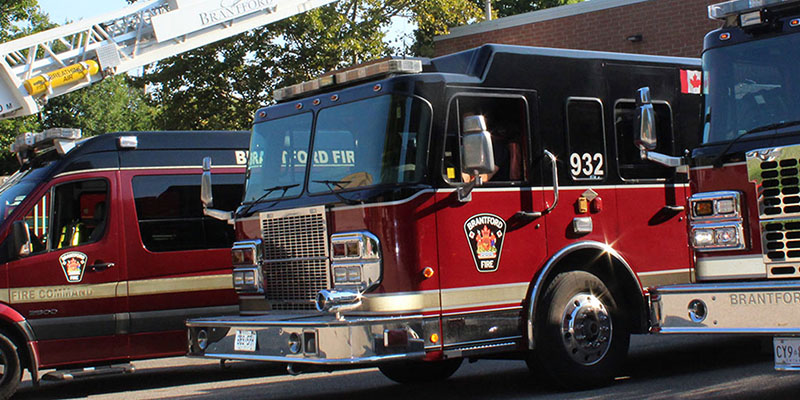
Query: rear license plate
[
  {"x": 245, "y": 341},
  {"x": 787, "y": 353}
]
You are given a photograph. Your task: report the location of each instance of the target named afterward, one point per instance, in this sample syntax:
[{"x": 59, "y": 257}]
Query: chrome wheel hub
[{"x": 586, "y": 329}]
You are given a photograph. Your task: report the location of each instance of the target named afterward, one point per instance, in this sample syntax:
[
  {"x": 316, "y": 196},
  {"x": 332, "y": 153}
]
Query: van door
[
  {"x": 488, "y": 251},
  {"x": 68, "y": 288},
  {"x": 179, "y": 260}
]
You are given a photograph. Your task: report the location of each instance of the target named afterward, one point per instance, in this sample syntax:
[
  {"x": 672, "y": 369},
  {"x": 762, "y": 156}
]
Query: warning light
[
  {"x": 724, "y": 36},
  {"x": 434, "y": 338},
  {"x": 795, "y": 22},
  {"x": 427, "y": 272}
]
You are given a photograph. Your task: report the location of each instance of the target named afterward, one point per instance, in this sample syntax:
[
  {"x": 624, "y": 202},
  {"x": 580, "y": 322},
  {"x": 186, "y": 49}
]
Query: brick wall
[{"x": 667, "y": 27}]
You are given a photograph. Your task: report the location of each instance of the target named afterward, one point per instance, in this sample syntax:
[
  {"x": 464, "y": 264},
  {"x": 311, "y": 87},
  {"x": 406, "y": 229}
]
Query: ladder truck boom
[{"x": 66, "y": 58}]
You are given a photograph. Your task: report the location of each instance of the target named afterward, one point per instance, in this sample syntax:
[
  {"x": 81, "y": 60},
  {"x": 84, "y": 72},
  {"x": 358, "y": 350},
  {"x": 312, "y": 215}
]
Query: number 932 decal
[{"x": 586, "y": 166}]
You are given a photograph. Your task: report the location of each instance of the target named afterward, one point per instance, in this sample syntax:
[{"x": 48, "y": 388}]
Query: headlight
[
  {"x": 715, "y": 206},
  {"x": 708, "y": 237},
  {"x": 356, "y": 261},
  {"x": 246, "y": 259}
]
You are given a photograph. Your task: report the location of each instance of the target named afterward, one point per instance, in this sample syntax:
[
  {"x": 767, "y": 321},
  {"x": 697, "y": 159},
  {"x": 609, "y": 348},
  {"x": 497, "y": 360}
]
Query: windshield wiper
[
  {"x": 268, "y": 192},
  {"x": 338, "y": 184},
  {"x": 718, "y": 160}
]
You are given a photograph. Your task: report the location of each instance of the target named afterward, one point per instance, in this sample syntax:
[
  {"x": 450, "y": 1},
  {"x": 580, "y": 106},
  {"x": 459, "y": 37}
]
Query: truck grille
[
  {"x": 296, "y": 257},
  {"x": 776, "y": 174}
]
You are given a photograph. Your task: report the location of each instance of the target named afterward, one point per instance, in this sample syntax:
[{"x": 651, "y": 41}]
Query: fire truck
[
  {"x": 411, "y": 213},
  {"x": 745, "y": 211},
  {"x": 105, "y": 248}
]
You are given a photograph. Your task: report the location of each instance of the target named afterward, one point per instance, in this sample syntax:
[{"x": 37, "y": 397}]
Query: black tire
[
  {"x": 582, "y": 334},
  {"x": 11, "y": 373},
  {"x": 420, "y": 371}
]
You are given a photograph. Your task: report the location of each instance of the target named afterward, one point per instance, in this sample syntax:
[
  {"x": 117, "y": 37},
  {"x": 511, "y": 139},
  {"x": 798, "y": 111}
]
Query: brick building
[{"x": 663, "y": 27}]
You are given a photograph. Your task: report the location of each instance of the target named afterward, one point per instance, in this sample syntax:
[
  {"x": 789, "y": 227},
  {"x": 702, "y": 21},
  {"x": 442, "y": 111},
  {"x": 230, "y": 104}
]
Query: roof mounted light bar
[
  {"x": 388, "y": 67},
  {"x": 737, "y": 7},
  {"x": 53, "y": 137}
]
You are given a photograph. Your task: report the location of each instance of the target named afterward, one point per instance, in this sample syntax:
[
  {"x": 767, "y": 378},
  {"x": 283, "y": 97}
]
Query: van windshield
[
  {"x": 17, "y": 187},
  {"x": 751, "y": 88},
  {"x": 379, "y": 140}
]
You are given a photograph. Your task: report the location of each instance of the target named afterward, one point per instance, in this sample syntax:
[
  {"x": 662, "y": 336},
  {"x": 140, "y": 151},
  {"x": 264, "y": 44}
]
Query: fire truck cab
[
  {"x": 414, "y": 212},
  {"x": 105, "y": 251},
  {"x": 745, "y": 211}
]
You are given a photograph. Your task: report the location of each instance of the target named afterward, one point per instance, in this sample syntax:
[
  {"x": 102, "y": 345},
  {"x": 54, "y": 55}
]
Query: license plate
[
  {"x": 245, "y": 341},
  {"x": 787, "y": 352}
]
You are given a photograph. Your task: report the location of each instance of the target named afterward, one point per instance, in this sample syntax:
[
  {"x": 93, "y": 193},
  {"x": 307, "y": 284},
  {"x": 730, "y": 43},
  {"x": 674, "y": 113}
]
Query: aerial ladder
[{"x": 63, "y": 59}]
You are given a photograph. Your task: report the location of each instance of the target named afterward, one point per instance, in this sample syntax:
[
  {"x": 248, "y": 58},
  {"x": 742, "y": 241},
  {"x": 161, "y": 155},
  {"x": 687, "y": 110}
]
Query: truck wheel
[
  {"x": 420, "y": 371},
  {"x": 11, "y": 368},
  {"x": 581, "y": 333}
]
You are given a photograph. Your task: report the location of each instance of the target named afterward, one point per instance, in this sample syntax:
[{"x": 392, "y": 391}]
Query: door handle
[
  {"x": 100, "y": 266},
  {"x": 674, "y": 208}
]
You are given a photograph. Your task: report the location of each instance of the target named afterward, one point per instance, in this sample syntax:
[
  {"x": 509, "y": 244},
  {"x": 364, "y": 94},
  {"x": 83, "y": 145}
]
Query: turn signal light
[{"x": 703, "y": 208}]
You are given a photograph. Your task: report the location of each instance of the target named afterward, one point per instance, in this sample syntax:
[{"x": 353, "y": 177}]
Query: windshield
[
  {"x": 18, "y": 186},
  {"x": 751, "y": 86},
  {"x": 380, "y": 140}
]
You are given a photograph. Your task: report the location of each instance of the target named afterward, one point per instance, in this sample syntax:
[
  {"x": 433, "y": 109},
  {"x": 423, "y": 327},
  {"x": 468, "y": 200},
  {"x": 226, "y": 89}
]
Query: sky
[{"x": 63, "y": 10}]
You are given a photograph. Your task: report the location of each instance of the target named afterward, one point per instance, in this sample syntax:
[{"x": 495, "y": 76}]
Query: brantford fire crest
[
  {"x": 485, "y": 234},
  {"x": 73, "y": 263}
]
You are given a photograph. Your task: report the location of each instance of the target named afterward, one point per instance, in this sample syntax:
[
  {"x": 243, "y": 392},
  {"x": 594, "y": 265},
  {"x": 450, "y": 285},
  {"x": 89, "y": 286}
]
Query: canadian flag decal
[{"x": 691, "y": 81}]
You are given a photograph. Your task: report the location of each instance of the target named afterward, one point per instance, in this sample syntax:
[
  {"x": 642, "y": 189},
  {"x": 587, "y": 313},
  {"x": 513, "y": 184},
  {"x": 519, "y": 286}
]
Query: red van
[{"x": 105, "y": 250}]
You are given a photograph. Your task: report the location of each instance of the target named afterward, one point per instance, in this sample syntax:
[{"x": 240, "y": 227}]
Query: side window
[
  {"x": 630, "y": 163},
  {"x": 76, "y": 215},
  {"x": 38, "y": 220},
  {"x": 506, "y": 120},
  {"x": 586, "y": 142},
  {"x": 171, "y": 216}
]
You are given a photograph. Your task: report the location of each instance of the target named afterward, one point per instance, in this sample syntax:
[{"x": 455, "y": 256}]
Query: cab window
[
  {"x": 630, "y": 164},
  {"x": 506, "y": 120},
  {"x": 69, "y": 215},
  {"x": 586, "y": 142},
  {"x": 171, "y": 216}
]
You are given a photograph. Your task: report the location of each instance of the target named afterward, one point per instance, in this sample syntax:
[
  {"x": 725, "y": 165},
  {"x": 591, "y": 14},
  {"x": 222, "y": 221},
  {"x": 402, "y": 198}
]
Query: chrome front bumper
[
  {"x": 310, "y": 339},
  {"x": 771, "y": 307}
]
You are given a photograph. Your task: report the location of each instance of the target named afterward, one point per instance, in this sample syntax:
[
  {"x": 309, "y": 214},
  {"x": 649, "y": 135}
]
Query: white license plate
[
  {"x": 787, "y": 352},
  {"x": 245, "y": 341}
]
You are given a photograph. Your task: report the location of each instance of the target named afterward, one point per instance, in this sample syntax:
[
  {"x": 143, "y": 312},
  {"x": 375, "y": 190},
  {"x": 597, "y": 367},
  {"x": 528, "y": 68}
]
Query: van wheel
[
  {"x": 11, "y": 368},
  {"x": 582, "y": 335},
  {"x": 420, "y": 371}
]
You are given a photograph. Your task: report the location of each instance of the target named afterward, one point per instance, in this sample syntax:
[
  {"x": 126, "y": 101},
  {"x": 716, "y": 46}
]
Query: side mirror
[
  {"x": 20, "y": 240},
  {"x": 477, "y": 156},
  {"x": 205, "y": 184},
  {"x": 646, "y": 121}
]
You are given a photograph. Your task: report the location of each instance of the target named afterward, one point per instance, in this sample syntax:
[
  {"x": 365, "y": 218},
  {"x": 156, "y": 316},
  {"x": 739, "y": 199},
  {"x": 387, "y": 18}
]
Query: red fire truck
[
  {"x": 412, "y": 213},
  {"x": 745, "y": 211}
]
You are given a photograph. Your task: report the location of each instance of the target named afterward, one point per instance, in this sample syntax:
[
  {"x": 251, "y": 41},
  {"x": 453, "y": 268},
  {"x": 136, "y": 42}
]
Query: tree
[
  {"x": 220, "y": 86},
  {"x": 505, "y": 8}
]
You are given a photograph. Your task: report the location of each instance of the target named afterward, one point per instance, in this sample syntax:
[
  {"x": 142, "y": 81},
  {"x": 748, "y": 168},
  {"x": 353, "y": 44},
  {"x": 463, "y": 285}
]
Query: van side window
[
  {"x": 78, "y": 211},
  {"x": 506, "y": 120},
  {"x": 630, "y": 163},
  {"x": 171, "y": 216},
  {"x": 38, "y": 220},
  {"x": 586, "y": 142}
]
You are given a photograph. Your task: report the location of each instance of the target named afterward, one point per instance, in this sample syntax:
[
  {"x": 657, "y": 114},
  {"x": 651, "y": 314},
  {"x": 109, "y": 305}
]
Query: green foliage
[
  {"x": 109, "y": 106},
  {"x": 221, "y": 85},
  {"x": 505, "y": 8}
]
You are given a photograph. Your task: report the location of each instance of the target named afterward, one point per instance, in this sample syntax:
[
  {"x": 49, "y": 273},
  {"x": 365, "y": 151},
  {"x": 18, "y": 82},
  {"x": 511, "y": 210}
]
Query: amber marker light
[
  {"x": 703, "y": 208},
  {"x": 434, "y": 338},
  {"x": 795, "y": 22},
  {"x": 427, "y": 272}
]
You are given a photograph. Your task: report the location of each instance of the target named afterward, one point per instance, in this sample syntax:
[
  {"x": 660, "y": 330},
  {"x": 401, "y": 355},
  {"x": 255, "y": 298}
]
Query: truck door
[
  {"x": 68, "y": 288},
  {"x": 488, "y": 250},
  {"x": 651, "y": 198}
]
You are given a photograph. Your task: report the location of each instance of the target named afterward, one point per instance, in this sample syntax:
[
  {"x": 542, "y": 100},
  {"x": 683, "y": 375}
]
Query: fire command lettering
[
  {"x": 777, "y": 298},
  {"x": 21, "y": 296}
]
